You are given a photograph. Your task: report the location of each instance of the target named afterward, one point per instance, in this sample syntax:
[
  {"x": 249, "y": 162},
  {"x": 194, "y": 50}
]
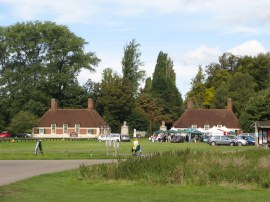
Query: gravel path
[{"x": 14, "y": 170}]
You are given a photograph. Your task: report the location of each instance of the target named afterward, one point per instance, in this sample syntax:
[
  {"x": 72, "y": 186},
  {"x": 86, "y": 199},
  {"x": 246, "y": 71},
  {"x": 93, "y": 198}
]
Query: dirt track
[{"x": 15, "y": 170}]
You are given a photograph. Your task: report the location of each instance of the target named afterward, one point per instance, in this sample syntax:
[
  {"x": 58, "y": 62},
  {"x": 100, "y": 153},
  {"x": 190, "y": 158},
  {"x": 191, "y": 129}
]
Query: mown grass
[
  {"x": 92, "y": 149},
  {"x": 166, "y": 172},
  {"x": 66, "y": 187}
]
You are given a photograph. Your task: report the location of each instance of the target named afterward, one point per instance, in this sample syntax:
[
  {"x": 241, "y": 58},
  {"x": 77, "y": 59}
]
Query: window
[
  {"x": 193, "y": 126},
  {"x": 65, "y": 128},
  {"x": 41, "y": 131},
  {"x": 77, "y": 128},
  {"x": 206, "y": 127},
  {"x": 90, "y": 131},
  {"x": 53, "y": 128},
  {"x": 219, "y": 126}
]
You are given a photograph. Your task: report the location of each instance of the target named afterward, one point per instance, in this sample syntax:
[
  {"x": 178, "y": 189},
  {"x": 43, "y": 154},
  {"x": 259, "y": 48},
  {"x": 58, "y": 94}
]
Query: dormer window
[
  {"x": 219, "y": 126},
  {"x": 194, "y": 126}
]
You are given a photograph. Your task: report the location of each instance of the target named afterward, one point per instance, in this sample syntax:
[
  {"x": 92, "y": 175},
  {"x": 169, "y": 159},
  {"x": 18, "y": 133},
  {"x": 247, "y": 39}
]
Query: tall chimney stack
[
  {"x": 190, "y": 103},
  {"x": 90, "y": 103},
  {"x": 53, "y": 104},
  {"x": 229, "y": 104}
]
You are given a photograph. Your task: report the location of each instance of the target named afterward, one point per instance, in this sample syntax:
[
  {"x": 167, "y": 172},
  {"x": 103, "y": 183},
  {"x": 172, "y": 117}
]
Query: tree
[
  {"x": 257, "y": 109},
  {"x": 241, "y": 88},
  {"x": 131, "y": 63},
  {"x": 149, "y": 108},
  {"x": 112, "y": 102},
  {"x": 132, "y": 75},
  {"x": 198, "y": 89},
  {"x": 40, "y": 61},
  {"x": 164, "y": 88},
  {"x": 23, "y": 122},
  {"x": 209, "y": 97}
]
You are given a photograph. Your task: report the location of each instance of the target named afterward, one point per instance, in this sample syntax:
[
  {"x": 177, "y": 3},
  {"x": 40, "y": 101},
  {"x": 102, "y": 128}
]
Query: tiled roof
[
  {"x": 84, "y": 117},
  {"x": 263, "y": 124},
  {"x": 211, "y": 117}
]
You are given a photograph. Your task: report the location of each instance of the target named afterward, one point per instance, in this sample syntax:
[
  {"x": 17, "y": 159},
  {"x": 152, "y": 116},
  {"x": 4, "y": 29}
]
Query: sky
[{"x": 192, "y": 32}]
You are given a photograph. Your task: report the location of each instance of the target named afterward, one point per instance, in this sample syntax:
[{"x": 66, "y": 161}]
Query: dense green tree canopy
[
  {"x": 164, "y": 88},
  {"x": 23, "y": 122},
  {"x": 40, "y": 61},
  {"x": 244, "y": 79}
]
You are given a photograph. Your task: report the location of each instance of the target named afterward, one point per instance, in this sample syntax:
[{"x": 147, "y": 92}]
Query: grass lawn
[
  {"x": 97, "y": 150},
  {"x": 65, "y": 186}
]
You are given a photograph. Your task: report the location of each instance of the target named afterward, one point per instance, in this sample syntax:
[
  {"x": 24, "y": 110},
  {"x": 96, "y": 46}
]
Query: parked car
[
  {"x": 5, "y": 134},
  {"x": 178, "y": 139},
  {"x": 125, "y": 138},
  {"x": 247, "y": 134},
  {"x": 241, "y": 141},
  {"x": 111, "y": 137},
  {"x": 102, "y": 138},
  {"x": 23, "y": 135},
  {"x": 205, "y": 138},
  {"x": 250, "y": 139},
  {"x": 115, "y": 137},
  {"x": 161, "y": 138},
  {"x": 222, "y": 140}
]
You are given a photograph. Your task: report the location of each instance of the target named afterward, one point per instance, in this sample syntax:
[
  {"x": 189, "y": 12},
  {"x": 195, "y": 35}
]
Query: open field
[
  {"x": 66, "y": 187},
  {"x": 233, "y": 173},
  {"x": 92, "y": 149}
]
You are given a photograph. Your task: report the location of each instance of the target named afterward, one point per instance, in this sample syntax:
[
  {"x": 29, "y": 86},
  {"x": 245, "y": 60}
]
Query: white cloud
[
  {"x": 201, "y": 55},
  {"x": 227, "y": 13},
  {"x": 251, "y": 48}
]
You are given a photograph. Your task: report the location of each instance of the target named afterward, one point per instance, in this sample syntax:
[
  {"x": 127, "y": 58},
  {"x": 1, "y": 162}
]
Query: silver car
[
  {"x": 222, "y": 140},
  {"x": 241, "y": 141}
]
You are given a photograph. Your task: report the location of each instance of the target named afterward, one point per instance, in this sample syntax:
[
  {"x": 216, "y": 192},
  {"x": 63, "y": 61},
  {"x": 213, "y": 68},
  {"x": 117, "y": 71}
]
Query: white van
[{"x": 115, "y": 137}]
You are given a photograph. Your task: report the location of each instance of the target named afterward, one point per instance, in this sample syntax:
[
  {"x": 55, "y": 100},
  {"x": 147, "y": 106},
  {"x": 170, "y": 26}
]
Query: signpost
[{"x": 38, "y": 147}]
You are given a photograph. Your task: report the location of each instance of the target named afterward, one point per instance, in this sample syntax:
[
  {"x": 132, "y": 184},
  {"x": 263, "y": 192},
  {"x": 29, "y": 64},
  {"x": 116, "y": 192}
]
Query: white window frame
[
  {"x": 206, "y": 127},
  {"x": 41, "y": 131},
  {"x": 53, "y": 128},
  {"x": 194, "y": 126},
  {"x": 90, "y": 131},
  {"x": 219, "y": 126},
  {"x": 65, "y": 128},
  {"x": 77, "y": 128}
]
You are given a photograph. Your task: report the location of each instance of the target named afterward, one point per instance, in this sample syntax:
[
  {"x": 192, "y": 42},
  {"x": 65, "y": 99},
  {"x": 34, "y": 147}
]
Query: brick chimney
[
  {"x": 90, "y": 103},
  {"x": 53, "y": 104},
  {"x": 189, "y": 103},
  {"x": 229, "y": 104}
]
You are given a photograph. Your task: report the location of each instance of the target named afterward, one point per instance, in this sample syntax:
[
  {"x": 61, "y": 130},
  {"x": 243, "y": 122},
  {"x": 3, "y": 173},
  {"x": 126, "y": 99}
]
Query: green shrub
[{"x": 186, "y": 167}]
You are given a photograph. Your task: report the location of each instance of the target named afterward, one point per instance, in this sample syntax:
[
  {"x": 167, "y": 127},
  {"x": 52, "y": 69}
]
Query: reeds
[{"x": 186, "y": 167}]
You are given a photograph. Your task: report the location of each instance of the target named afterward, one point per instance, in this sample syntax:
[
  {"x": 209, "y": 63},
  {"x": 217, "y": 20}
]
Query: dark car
[
  {"x": 125, "y": 138},
  {"x": 178, "y": 139},
  {"x": 23, "y": 135}
]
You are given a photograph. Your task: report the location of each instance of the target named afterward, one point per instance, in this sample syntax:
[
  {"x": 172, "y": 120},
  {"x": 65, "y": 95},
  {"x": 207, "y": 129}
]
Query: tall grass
[{"x": 188, "y": 167}]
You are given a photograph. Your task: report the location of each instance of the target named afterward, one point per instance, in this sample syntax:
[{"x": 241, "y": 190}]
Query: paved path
[{"x": 15, "y": 170}]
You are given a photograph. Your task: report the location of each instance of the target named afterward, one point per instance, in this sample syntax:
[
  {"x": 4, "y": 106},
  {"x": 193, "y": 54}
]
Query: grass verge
[{"x": 65, "y": 186}]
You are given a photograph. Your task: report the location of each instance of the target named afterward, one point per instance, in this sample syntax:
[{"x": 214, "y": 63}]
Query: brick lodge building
[{"x": 71, "y": 123}]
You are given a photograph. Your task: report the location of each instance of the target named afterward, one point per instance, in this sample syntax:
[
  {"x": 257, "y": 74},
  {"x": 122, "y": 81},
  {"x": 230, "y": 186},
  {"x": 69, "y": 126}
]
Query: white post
[{"x": 256, "y": 134}]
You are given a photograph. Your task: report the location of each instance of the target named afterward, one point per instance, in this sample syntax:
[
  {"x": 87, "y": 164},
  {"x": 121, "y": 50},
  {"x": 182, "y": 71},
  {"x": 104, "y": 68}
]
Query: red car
[{"x": 4, "y": 134}]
